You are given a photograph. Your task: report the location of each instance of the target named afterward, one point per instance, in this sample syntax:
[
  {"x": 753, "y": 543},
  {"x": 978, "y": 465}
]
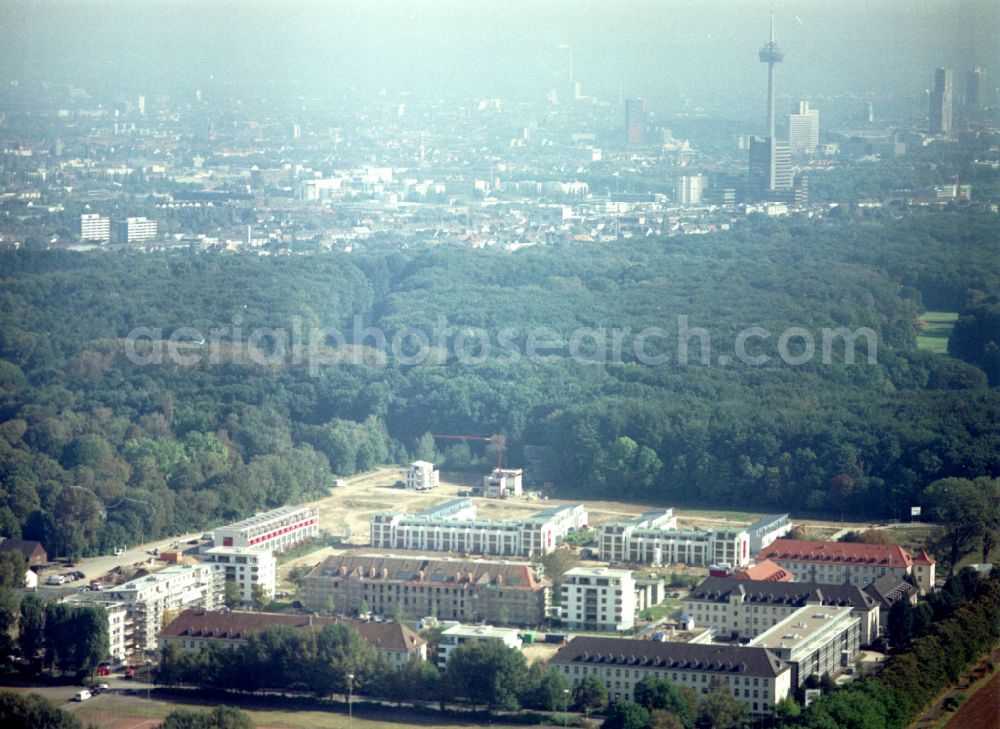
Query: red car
[
  {"x": 129, "y": 673},
  {"x": 103, "y": 671}
]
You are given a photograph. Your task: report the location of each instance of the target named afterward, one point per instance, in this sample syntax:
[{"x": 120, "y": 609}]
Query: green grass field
[{"x": 935, "y": 328}]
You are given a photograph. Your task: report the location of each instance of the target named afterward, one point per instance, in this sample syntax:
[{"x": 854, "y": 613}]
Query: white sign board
[{"x": 914, "y": 511}]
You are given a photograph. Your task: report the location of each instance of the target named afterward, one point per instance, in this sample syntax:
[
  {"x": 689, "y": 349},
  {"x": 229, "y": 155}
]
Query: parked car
[
  {"x": 82, "y": 695},
  {"x": 99, "y": 688},
  {"x": 77, "y": 575},
  {"x": 96, "y": 585},
  {"x": 120, "y": 552},
  {"x": 104, "y": 670},
  {"x": 129, "y": 673},
  {"x": 55, "y": 580},
  {"x": 208, "y": 536}
]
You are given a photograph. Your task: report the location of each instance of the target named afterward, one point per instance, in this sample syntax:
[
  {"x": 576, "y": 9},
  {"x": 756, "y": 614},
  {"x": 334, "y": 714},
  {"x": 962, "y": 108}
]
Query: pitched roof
[
  {"x": 238, "y": 625},
  {"x": 424, "y": 569},
  {"x": 766, "y": 571},
  {"x": 802, "y": 550},
  {"x": 923, "y": 558},
  {"x": 657, "y": 654},
  {"x": 24, "y": 546},
  {"x": 890, "y": 588},
  {"x": 718, "y": 589}
]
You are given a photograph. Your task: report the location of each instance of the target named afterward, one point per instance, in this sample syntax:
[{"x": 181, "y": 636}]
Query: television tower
[{"x": 771, "y": 54}]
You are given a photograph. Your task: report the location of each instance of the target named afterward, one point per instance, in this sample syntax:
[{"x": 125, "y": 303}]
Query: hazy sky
[{"x": 703, "y": 49}]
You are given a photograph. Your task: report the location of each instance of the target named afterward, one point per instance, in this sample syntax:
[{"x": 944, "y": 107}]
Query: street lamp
[{"x": 350, "y": 695}]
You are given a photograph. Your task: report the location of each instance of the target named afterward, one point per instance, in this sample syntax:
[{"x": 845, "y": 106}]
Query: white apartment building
[
  {"x": 767, "y": 529},
  {"x": 814, "y": 641},
  {"x": 95, "y": 227},
  {"x": 746, "y": 608},
  {"x": 248, "y": 568},
  {"x": 649, "y": 540},
  {"x": 458, "y": 635},
  {"x": 503, "y": 482},
  {"x": 136, "y": 230},
  {"x": 120, "y": 629},
  {"x": 422, "y": 476},
  {"x": 688, "y": 189},
  {"x": 754, "y": 676},
  {"x": 147, "y": 599},
  {"x": 277, "y": 530},
  {"x": 597, "y": 598},
  {"x": 452, "y": 527},
  {"x": 803, "y": 128}
]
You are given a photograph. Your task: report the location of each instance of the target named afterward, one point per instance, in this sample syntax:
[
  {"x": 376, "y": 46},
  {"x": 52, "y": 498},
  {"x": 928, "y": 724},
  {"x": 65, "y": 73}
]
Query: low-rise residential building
[
  {"x": 848, "y": 562},
  {"x": 636, "y": 543},
  {"x": 192, "y": 630},
  {"x": 502, "y": 483},
  {"x": 458, "y": 635},
  {"x": 278, "y": 530},
  {"x": 249, "y": 569},
  {"x": 33, "y": 552},
  {"x": 887, "y": 590},
  {"x": 449, "y": 589},
  {"x": 746, "y": 608},
  {"x": 754, "y": 676},
  {"x": 422, "y": 476},
  {"x": 598, "y": 598},
  {"x": 148, "y": 599},
  {"x": 814, "y": 641},
  {"x": 614, "y": 537},
  {"x": 452, "y": 527},
  {"x": 765, "y": 530}
]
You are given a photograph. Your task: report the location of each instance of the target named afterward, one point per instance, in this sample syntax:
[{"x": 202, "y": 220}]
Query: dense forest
[{"x": 110, "y": 435}]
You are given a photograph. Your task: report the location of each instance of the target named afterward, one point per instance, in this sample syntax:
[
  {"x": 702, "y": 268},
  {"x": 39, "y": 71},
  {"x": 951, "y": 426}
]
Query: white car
[
  {"x": 55, "y": 580},
  {"x": 120, "y": 552},
  {"x": 82, "y": 695}
]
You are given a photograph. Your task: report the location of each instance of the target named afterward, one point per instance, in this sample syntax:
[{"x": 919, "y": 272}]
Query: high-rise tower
[
  {"x": 940, "y": 111},
  {"x": 770, "y": 160}
]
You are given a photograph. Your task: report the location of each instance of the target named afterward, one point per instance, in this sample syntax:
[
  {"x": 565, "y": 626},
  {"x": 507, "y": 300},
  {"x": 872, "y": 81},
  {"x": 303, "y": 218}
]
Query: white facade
[
  {"x": 645, "y": 541},
  {"x": 278, "y": 530},
  {"x": 248, "y": 568},
  {"x": 803, "y": 128},
  {"x": 95, "y": 227},
  {"x": 458, "y": 635},
  {"x": 452, "y": 527},
  {"x": 148, "y": 599},
  {"x": 422, "y": 476},
  {"x": 689, "y": 189},
  {"x": 136, "y": 230},
  {"x": 597, "y": 598},
  {"x": 503, "y": 482}
]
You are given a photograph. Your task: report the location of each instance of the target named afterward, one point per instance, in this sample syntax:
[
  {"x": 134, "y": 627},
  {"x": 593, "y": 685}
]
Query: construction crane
[{"x": 499, "y": 442}]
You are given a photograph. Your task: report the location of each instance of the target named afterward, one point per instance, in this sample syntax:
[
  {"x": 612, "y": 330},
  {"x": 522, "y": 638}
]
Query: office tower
[
  {"x": 869, "y": 112},
  {"x": 94, "y": 227},
  {"x": 940, "y": 111},
  {"x": 142, "y": 106},
  {"x": 689, "y": 189},
  {"x": 974, "y": 88},
  {"x": 803, "y": 128},
  {"x": 636, "y": 121}
]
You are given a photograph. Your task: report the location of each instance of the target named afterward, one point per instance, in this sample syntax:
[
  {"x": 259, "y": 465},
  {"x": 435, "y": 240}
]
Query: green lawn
[{"x": 935, "y": 328}]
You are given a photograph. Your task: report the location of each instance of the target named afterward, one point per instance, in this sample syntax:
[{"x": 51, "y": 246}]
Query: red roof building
[
  {"x": 855, "y": 563},
  {"x": 766, "y": 571}
]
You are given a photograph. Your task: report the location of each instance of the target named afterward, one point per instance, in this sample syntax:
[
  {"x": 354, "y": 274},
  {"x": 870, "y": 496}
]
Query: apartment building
[
  {"x": 449, "y": 589},
  {"x": 887, "y": 590},
  {"x": 502, "y": 483},
  {"x": 120, "y": 628},
  {"x": 277, "y": 530},
  {"x": 754, "y": 676},
  {"x": 422, "y": 476},
  {"x": 458, "y": 635},
  {"x": 193, "y": 630},
  {"x": 765, "y": 530},
  {"x": 848, "y": 562},
  {"x": 814, "y": 641},
  {"x": 135, "y": 230},
  {"x": 597, "y": 598},
  {"x": 95, "y": 228},
  {"x": 654, "y": 539},
  {"x": 452, "y": 527},
  {"x": 248, "y": 568},
  {"x": 746, "y": 609},
  {"x": 147, "y": 599}
]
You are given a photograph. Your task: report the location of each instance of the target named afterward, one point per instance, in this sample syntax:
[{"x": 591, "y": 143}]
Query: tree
[
  {"x": 991, "y": 515},
  {"x": 626, "y": 715},
  {"x": 30, "y": 627},
  {"x": 590, "y": 694},
  {"x": 719, "y": 710},
  {"x": 76, "y": 637},
  {"x": 12, "y": 569},
  {"x": 487, "y": 672},
  {"x": 19, "y": 711},
  {"x": 221, "y": 717},
  {"x": 261, "y": 597},
  {"x": 8, "y": 622},
  {"x": 654, "y": 693},
  {"x": 957, "y": 504},
  {"x": 661, "y": 719},
  {"x": 232, "y": 595}
]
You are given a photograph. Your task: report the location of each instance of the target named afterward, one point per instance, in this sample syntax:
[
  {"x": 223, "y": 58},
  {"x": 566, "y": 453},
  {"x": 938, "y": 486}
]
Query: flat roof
[
  {"x": 598, "y": 572},
  {"x": 266, "y": 516},
  {"x": 800, "y": 627},
  {"x": 482, "y": 631}
]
